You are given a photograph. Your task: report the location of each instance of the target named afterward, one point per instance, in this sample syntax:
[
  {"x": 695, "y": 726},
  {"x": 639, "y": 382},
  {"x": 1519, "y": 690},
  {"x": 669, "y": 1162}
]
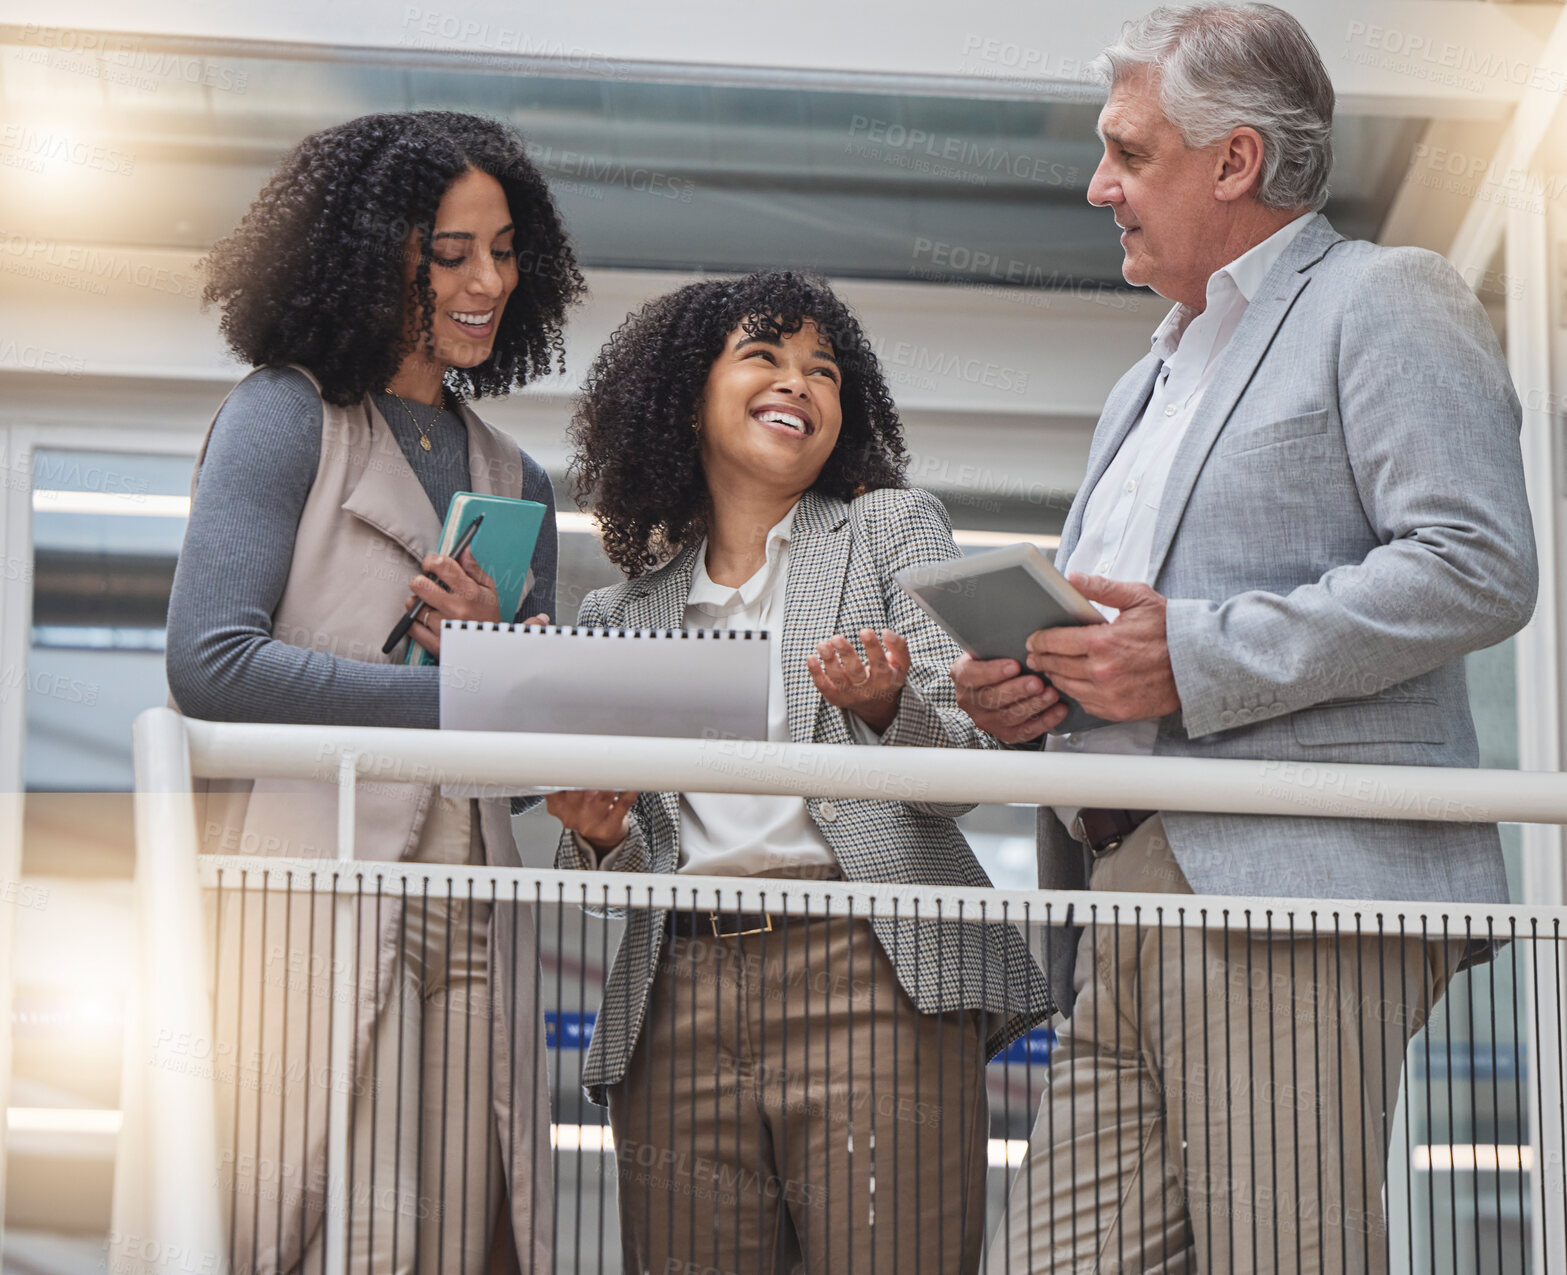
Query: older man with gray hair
[{"x": 1302, "y": 509}]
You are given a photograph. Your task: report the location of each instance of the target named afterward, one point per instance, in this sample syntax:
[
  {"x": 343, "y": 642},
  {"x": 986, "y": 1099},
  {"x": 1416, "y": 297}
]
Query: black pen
[{"x": 406, "y": 623}]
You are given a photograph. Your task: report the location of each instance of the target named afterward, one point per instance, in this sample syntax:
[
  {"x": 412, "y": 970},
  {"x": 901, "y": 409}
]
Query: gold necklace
[{"x": 424, "y": 439}]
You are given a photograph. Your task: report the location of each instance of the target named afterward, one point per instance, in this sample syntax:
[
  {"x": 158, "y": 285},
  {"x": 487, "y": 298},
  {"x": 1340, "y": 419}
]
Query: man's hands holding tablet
[
  {"x": 1118, "y": 671},
  {"x": 1004, "y": 701}
]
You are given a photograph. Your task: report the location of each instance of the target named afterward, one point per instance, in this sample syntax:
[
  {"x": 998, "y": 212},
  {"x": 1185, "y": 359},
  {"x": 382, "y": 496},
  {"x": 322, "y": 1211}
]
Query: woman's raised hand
[
  {"x": 602, "y": 819},
  {"x": 471, "y": 597},
  {"x": 868, "y": 688}
]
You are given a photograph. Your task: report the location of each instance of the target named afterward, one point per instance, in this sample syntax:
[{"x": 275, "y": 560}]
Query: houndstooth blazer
[{"x": 841, "y": 564}]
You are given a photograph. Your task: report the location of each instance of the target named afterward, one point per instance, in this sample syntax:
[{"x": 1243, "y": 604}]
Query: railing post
[
  {"x": 344, "y": 1019},
  {"x": 1534, "y": 355},
  {"x": 167, "y": 1211}
]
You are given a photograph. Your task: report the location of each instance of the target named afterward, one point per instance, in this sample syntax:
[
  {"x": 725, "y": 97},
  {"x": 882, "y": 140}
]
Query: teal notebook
[{"x": 503, "y": 547}]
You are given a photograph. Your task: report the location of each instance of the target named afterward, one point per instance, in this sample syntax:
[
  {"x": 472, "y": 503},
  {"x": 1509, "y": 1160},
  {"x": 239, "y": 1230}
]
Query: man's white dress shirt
[{"x": 1116, "y": 539}]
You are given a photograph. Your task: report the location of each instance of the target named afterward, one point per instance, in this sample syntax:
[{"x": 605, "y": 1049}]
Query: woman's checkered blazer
[{"x": 841, "y": 562}]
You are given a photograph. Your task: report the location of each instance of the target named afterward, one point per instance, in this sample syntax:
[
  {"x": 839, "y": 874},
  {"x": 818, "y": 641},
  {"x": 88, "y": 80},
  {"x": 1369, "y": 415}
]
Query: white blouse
[
  {"x": 740, "y": 835},
  {"x": 730, "y": 834}
]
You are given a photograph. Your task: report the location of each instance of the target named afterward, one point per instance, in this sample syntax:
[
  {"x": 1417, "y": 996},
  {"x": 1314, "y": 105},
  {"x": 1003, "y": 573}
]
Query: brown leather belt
[
  {"x": 1102, "y": 830},
  {"x": 722, "y": 925}
]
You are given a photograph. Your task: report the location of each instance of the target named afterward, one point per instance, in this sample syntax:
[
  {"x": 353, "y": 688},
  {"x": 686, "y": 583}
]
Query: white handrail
[
  {"x": 167, "y": 1186},
  {"x": 166, "y": 1209},
  {"x": 501, "y": 761}
]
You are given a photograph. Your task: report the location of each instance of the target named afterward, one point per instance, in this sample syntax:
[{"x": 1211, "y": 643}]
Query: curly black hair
[
  {"x": 314, "y": 273},
  {"x": 638, "y": 464}
]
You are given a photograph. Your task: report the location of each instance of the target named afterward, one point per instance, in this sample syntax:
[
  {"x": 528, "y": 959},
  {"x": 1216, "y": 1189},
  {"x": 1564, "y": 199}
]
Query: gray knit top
[{"x": 222, "y": 661}]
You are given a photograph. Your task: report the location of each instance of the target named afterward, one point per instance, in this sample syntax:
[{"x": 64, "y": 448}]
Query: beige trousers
[
  {"x": 426, "y": 1157},
  {"x": 1218, "y": 1101},
  {"x": 424, "y": 1178},
  {"x": 788, "y": 1108}
]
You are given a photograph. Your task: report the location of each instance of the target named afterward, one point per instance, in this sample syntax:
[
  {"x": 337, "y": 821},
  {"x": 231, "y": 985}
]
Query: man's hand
[
  {"x": 1119, "y": 671},
  {"x": 1005, "y": 701}
]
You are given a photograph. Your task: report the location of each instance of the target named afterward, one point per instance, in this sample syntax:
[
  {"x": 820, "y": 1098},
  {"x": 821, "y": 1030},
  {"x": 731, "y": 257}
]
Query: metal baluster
[
  {"x": 261, "y": 1059},
  {"x": 560, "y": 1005},
  {"x": 375, "y": 1092},
  {"x": 310, "y": 1076},
  {"x": 1452, "y": 1131},
  {"x": 941, "y": 1092},
  {"x": 491, "y": 1010},
  {"x": 606, "y": 1168},
  {"x": 1273, "y": 1087},
  {"x": 401, "y": 992},
  {"x": 1474, "y": 1101},
  {"x": 1496, "y": 1098},
  {"x": 897, "y": 1070},
  {"x": 560, "y": 1043},
  {"x": 874, "y": 1108},
  {"x": 341, "y": 1029}
]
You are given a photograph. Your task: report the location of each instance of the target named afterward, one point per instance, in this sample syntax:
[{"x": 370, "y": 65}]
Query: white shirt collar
[
  {"x": 1242, "y": 276},
  {"x": 724, "y": 599}
]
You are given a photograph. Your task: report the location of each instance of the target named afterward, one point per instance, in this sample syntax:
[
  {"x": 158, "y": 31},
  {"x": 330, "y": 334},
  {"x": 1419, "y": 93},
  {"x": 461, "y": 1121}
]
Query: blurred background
[{"x": 932, "y": 160}]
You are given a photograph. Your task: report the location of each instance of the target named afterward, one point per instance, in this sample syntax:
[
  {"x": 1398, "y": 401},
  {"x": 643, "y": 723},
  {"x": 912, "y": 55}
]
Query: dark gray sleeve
[
  {"x": 222, "y": 662},
  {"x": 546, "y": 553},
  {"x": 546, "y": 558}
]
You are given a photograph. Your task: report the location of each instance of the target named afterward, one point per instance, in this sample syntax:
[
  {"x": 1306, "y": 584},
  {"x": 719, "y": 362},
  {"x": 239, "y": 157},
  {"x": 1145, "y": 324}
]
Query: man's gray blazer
[{"x": 1344, "y": 520}]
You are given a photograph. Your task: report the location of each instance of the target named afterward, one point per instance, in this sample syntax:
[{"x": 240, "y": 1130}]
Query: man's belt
[{"x": 1102, "y": 830}]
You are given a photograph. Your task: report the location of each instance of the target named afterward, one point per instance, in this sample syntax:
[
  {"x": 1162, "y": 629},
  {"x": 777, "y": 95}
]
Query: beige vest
[{"x": 366, "y": 526}]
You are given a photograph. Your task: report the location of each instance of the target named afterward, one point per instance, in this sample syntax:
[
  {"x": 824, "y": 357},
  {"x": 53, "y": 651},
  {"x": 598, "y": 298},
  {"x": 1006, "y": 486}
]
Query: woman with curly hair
[
  {"x": 804, "y": 1078},
  {"x": 393, "y": 268}
]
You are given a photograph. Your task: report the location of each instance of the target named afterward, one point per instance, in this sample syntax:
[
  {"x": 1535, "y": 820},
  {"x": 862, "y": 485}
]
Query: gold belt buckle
[
  {"x": 739, "y": 934},
  {"x": 1080, "y": 834}
]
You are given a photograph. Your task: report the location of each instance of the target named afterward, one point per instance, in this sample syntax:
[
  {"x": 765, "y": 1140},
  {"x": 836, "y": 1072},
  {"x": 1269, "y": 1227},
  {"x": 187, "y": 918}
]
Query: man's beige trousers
[{"x": 1218, "y": 1101}]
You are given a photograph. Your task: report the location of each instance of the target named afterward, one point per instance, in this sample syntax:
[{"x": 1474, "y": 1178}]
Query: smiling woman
[
  {"x": 340, "y": 260},
  {"x": 741, "y": 429},
  {"x": 663, "y": 397},
  {"x": 375, "y": 285}
]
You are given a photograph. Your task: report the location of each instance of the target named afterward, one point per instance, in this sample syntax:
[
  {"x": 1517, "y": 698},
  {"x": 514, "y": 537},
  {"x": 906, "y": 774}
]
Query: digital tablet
[{"x": 990, "y": 602}]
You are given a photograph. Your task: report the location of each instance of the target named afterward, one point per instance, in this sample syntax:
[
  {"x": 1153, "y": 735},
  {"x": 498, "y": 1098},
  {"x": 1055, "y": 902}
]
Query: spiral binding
[{"x": 491, "y": 626}]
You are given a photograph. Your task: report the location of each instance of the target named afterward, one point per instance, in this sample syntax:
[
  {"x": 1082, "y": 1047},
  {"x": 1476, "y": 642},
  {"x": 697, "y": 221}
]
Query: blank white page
[{"x": 686, "y": 684}]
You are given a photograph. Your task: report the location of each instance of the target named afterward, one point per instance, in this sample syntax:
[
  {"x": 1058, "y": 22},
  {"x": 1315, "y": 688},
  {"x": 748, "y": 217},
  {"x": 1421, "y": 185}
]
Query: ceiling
[{"x": 156, "y": 151}]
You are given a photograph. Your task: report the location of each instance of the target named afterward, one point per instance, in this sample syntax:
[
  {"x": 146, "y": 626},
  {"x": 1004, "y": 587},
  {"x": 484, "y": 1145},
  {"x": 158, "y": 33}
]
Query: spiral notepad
[{"x": 687, "y": 684}]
